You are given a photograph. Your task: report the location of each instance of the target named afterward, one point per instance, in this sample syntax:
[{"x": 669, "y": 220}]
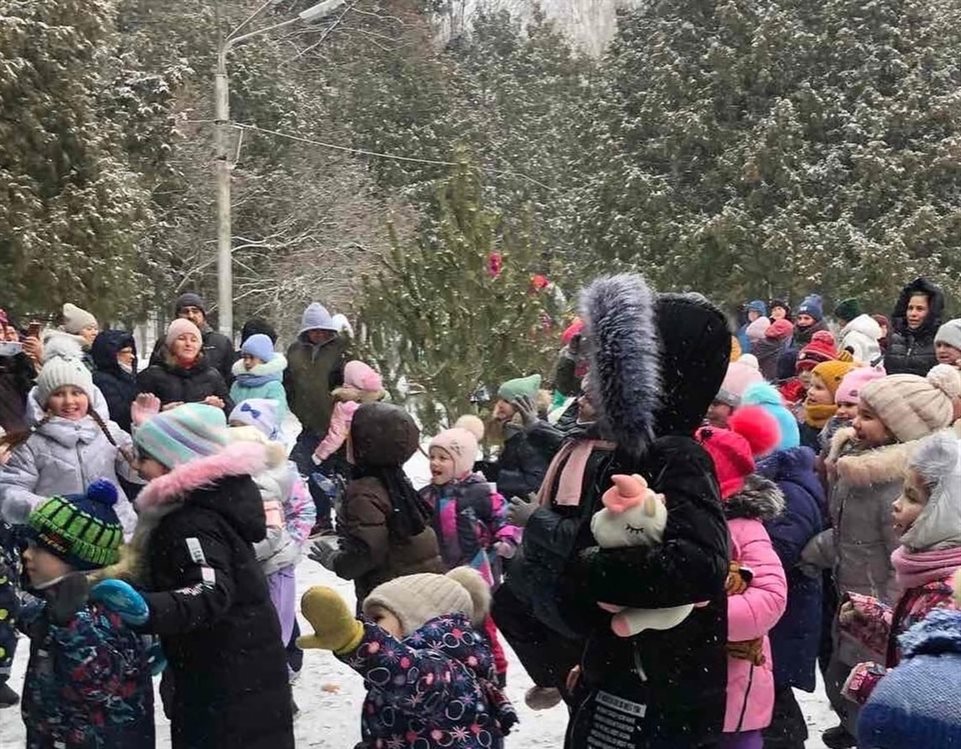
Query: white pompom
[{"x": 947, "y": 379}]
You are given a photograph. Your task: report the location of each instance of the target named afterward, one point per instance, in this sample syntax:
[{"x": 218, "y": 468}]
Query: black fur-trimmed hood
[
  {"x": 657, "y": 361},
  {"x": 760, "y": 499}
]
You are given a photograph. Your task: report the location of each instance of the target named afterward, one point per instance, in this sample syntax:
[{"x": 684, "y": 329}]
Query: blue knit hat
[
  {"x": 757, "y": 306},
  {"x": 260, "y": 346},
  {"x": 185, "y": 433},
  {"x": 316, "y": 317},
  {"x": 914, "y": 705},
  {"x": 260, "y": 413},
  {"x": 81, "y": 529},
  {"x": 813, "y": 306},
  {"x": 766, "y": 395}
]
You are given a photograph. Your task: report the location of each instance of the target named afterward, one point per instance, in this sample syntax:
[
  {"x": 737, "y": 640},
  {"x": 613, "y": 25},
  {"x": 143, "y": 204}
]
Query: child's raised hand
[
  {"x": 145, "y": 406},
  {"x": 335, "y": 627}
]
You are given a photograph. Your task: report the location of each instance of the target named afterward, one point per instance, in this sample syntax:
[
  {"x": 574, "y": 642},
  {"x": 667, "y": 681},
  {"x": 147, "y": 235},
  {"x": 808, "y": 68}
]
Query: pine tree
[{"x": 438, "y": 319}]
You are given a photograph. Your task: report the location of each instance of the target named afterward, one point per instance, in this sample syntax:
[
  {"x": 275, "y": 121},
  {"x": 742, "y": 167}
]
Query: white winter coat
[
  {"x": 64, "y": 457},
  {"x": 860, "y": 337}
]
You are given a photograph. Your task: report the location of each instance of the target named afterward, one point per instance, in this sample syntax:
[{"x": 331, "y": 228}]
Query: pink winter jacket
[
  {"x": 752, "y": 614},
  {"x": 338, "y": 430}
]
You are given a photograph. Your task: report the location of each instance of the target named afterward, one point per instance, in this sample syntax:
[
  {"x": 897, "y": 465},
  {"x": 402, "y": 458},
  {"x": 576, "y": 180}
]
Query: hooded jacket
[
  {"x": 64, "y": 457},
  {"x": 313, "y": 372},
  {"x": 657, "y": 364},
  {"x": 119, "y": 388},
  {"x": 860, "y": 337},
  {"x": 263, "y": 381},
  {"x": 16, "y": 380},
  {"x": 795, "y": 639},
  {"x": 174, "y": 384},
  {"x": 370, "y": 553},
  {"x": 753, "y": 613},
  {"x": 912, "y": 351},
  {"x": 226, "y": 681}
]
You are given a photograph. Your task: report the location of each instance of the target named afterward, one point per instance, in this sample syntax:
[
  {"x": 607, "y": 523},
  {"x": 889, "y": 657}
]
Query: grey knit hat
[
  {"x": 59, "y": 372},
  {"x": 76, "y": 319},
  {"x": 950, "y": 333}
]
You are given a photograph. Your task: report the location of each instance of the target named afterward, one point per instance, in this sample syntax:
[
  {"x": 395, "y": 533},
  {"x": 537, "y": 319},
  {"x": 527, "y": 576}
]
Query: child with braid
[{"x": 70, "y": 447}]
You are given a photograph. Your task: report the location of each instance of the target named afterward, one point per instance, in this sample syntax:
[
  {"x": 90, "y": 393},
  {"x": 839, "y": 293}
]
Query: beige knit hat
[
  {"x": 416, "y": 599},
  {"x": 912, "y": 407},
  {"x": 461, "y": 446},
  {"x": 76, "y": 319}
]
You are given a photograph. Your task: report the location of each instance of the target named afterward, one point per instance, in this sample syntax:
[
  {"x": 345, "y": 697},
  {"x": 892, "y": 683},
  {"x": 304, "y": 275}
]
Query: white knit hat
[
  {"x": 59, "y": 372},
  {"x": 416, "y": 599},
  {"x": 461, "y": 445},
  {"x": 76, "y": 319},
  {"x": 912, "y": 407}
]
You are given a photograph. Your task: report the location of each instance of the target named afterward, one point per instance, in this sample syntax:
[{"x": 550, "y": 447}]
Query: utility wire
[{"x": 362, "y": 152}]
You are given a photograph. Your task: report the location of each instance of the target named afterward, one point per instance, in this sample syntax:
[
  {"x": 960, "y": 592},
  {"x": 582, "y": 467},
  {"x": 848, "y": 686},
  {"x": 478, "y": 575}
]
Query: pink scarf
[
  {"x": 914, "y": 569},
  {"x": 573, "y": 457}
]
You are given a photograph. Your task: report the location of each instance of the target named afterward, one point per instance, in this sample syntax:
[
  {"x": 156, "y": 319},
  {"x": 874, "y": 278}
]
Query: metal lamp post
[{"x": 225, "y": 275}]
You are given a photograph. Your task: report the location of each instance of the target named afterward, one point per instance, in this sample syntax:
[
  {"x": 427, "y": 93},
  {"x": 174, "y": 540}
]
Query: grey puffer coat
[{"x": 65, "y": 457}]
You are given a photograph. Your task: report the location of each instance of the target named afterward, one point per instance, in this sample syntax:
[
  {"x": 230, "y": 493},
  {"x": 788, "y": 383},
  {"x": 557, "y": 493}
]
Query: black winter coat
[
  {"x": 802, "y": 336},
  {"x": 16, "y": 380},
  {"x": 226, "y": 682},
  {"x": 119, "y": 388},
  {"x": 218, "y": 352},
  {"x": 174, "y": 384},
  {"x": 520, "y": 467},
  {"x": 912, "y": 351},
  {"x": 686, "y": 671}
]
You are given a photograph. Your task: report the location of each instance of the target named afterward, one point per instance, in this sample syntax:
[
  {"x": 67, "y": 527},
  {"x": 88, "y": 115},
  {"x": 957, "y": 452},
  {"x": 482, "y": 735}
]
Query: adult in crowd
[
  {"x": 809, "y": 320},
  {"x": 16, "y": 378},
  {"x": 315, "y": 367},
  {"x": 218, "y": 349},
  {"x": 260, "y": 325},
  {"x": 860, "y": 333},
  {"x": 914, "y": 324},
  {"x": 115, "y": 373},
  {"x": 753, "y": 310},
  {"x": 183, "y": 375},
  {"x": 780, "y": 310},
  {"x": 657, "y": 363}
]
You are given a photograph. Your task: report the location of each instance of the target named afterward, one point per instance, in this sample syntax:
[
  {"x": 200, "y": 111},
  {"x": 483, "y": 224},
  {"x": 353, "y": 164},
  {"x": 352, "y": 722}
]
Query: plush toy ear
[{"x": 650, "y": 506}]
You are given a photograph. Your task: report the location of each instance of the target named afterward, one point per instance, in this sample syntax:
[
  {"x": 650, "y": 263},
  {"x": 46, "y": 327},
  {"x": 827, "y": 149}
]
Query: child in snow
[
  {"x": 429, "y": 673},
  {"x": 740, "y": 375},
  {"x": 226, "y": 681},
  {"x": 469, "y": 517},
  {"x": 918, "y": 704},
  {"x": 865, "y": 466},
  {"x": 927, "y": 516},
  {"x": 255, "y": 420},
  {"x": 846, "y": 398},
  {"x": 819, "y": 406},
  {"x": 947, "y": 343},
  {"x": 68, "y": 447},
  {"x": 88, "y": 679},
  {"x": 9, "y": 607},
  {"x": 756, "y": 600},
  {"x": 259, "y": 373},
  {"x": 383, "y": 526},
  {"x": 520, "y": 468}
]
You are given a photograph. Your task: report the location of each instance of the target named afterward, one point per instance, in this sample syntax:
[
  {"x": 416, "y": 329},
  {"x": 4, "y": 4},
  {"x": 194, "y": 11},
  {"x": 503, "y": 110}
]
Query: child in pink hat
[{"x": 362, "y": 384}]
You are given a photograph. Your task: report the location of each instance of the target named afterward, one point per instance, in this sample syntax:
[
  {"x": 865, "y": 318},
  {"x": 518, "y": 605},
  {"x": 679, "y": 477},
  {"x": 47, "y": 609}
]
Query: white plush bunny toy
[{"x": 634, "y": 515}]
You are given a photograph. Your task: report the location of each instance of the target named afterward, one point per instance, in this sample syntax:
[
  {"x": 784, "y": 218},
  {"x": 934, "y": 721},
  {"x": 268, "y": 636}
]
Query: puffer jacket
[
  {"x": 65, "y": 457},
  {"x": 520, "y": 467},
  {"x": 88, "y": 681},
  {"x": 266, "y": 380},
  {"x": 912, "y": 351},
  {"x": 435, "y": 688},
  {"x": 860, "y": 337},
  {"x": 119, "y": 388},
  {"x": 226, "y": 682},
  {"x": 752, "y": 614},
  {"x": 313, "y": 372},
  {"x": 859, "y": 544},
  {"x": 174, "y": 384},
  {"x": 795, "y": 638},
  {"x": 218, "y": 351}
]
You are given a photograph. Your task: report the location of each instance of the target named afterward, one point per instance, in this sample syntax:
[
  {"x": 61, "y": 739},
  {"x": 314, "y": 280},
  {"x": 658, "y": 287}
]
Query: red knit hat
[
  {"x": 822, "y": 348},
  {"x": 753, "y": 433},
  {"x": 779, "y": 329}
]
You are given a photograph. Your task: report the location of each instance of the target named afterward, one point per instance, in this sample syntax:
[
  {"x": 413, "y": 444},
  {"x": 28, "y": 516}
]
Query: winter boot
[
  {"x": 838, "y": 738},
  {"x": 542, "y": 698}
]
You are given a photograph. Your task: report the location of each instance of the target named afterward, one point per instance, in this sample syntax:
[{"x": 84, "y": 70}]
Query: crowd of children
[{"x": 805, "y": 477}]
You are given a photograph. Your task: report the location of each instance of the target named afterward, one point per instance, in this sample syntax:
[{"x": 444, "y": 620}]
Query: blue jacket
[
  {"x": 795, "y": 639},
  {"x": 88, "y": 683},
  {"x": 435, "y": 688}
]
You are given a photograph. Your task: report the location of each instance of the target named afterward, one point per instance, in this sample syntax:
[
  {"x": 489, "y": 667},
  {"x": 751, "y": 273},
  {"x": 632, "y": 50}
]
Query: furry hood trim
[
  {"x": 877, "y": 466},
  {"x": 760, "y": 499},
  {"x": 356, "y": 395},
  {"x": 625, "y": 378},
  {"x": 237, "y": 459}
]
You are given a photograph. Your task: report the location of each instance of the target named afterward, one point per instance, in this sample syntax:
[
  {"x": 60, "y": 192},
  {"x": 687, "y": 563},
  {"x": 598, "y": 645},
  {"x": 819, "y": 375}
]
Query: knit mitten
[
  {"x": 748, "y": 650},
  {"x": 335, "y": 627},
  {"x": 738, "y": 578}
]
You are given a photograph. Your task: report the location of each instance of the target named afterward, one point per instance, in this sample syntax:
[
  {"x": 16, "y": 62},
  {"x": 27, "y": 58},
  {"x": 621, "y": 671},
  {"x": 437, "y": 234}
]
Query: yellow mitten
[{"x": 335, "y": 627}]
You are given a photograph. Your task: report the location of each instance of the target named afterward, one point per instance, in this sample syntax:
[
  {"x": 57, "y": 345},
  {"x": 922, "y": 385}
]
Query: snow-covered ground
[{"x": 330, "y": 695}]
